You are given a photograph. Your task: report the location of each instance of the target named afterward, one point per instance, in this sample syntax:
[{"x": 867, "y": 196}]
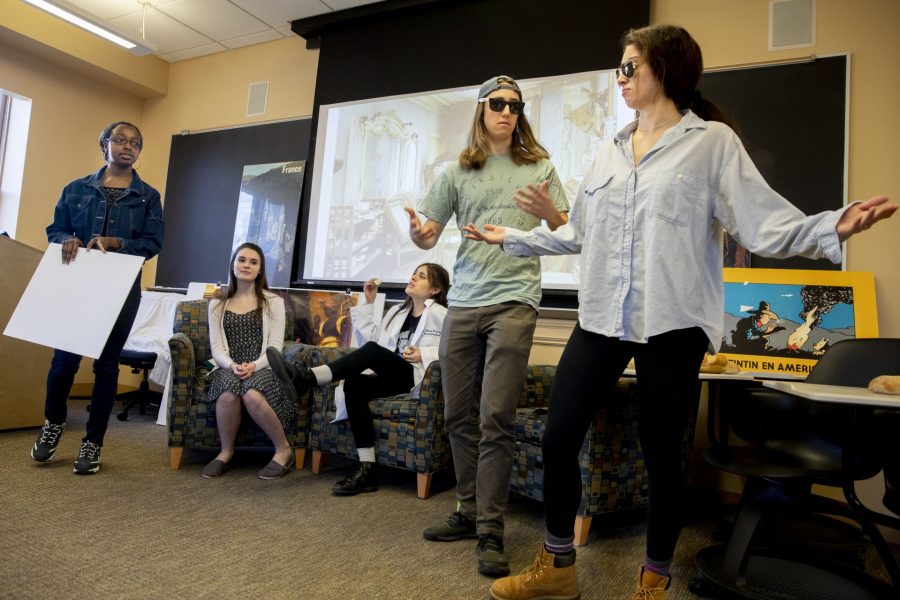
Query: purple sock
[
  {"x": 563, "y": 551},
  {"x": 660, "y": 568},
  {"x": 556, "y": 545}
]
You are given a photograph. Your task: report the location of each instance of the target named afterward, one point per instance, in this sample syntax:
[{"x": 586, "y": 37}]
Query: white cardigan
[
  {"x": 273, "y": 330},
  {"x": 426, "y": 337}
]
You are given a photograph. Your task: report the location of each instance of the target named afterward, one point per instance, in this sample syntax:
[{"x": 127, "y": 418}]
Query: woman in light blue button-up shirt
[{"x": 648, "y": 222}]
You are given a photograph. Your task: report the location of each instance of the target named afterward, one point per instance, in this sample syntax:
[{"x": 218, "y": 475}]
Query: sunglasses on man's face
[
  {"x": 626, "y": 69},
  {"x": 498, "y": 104}
]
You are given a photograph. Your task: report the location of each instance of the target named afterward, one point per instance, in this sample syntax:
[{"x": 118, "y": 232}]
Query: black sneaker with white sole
[
  {"x": 48, "y": 439},
  {"x": 88, "y": 461}
]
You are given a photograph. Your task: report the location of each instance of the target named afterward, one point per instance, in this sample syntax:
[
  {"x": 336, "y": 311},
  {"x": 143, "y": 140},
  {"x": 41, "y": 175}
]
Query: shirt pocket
[
  {"x": 132, "y": 215},
  {"x": 596, "y": 195},
  {"x": 679, "y": 198},
  {"x": 79, "y": 208}
]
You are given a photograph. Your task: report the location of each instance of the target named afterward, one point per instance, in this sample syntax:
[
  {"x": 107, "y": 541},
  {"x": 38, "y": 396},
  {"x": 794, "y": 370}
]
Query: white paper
[
  {"x": 196, "y": 290},
  {"x": 340, "y": 404},
  {"x": 73, "y": 307}
]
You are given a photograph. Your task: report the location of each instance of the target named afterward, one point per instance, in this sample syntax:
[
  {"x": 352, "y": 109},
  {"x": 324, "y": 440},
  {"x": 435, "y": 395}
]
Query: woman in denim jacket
[{"x": 112, "y": 210}]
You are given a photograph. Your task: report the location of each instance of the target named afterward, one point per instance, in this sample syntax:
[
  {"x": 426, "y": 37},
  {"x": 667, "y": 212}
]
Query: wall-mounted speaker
[
  {"x": 792, "y": 24},
  {"x": 257, "y": 98}
]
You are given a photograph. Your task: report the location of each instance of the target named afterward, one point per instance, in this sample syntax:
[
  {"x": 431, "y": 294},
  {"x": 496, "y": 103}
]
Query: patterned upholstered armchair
[
  {"x": 409, "y": 433},
  {"x": 191, "y": 424},
  {"x": 613, "y": 477}
]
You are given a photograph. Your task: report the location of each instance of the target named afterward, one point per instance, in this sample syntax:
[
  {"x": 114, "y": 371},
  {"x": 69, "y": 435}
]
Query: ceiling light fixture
[{"x": 78, "y": 21}]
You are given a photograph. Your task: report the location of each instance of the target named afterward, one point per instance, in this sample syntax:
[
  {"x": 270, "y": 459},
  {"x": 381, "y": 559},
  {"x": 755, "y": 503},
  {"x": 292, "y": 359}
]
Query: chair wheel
[
  {"x": 122, "y": 416},
  {"x": 701, "y": 586}
]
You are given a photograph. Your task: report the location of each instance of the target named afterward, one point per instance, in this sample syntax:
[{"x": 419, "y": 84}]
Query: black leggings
[
  {"x": 588, "y": 370},
  {"x": 393, "y": 375}
]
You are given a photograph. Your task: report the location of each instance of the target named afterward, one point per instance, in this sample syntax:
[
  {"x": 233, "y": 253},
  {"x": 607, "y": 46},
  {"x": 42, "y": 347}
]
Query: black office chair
[
  {"x": 143, "y": 396},
  {"x": 795, "y": 443},
  {"x": 889, "y": 424}
]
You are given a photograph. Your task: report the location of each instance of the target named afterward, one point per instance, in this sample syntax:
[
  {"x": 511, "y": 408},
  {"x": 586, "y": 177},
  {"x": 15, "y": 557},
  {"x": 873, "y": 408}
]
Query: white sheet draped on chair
[{"x": 150, "y": 333}]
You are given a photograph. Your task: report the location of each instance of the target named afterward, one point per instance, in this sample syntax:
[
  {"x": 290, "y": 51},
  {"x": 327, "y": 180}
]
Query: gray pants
[{"x": 484, "y": 355}]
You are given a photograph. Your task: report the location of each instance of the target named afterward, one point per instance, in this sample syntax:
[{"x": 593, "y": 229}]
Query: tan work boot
[
  {"x": 651, "y": 586},
  {"x": 540, "y": 581}
]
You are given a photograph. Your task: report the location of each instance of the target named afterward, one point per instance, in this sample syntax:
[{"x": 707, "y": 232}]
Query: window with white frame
[{"x": 15, "y": 114}]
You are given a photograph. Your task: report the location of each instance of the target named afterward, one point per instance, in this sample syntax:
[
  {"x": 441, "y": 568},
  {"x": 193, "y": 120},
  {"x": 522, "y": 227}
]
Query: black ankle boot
[
  {"x": 296, "y": 380},
  {"x": 363, "y": 479},
  {"x": 303, "y": 378}
]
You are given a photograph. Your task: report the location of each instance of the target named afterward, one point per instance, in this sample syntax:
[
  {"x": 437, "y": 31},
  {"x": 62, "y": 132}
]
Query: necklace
[{"x": 655, "y": 127}]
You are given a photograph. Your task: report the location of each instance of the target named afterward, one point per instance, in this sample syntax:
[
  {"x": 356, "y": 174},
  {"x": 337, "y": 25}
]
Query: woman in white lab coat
[{"x": 391, "y": 359}]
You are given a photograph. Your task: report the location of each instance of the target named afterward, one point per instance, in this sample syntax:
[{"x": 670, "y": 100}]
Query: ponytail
[
  {"x": 677, "y": 62},
  {"x": 708, "y": 111}
]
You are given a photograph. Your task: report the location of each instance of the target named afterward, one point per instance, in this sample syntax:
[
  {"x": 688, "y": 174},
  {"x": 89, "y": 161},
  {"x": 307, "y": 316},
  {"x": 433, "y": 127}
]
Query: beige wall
[
  {"x": 81, "y": 52},
  {"x": 67, "y": 114},
  {"x": 71, "y": 103}
]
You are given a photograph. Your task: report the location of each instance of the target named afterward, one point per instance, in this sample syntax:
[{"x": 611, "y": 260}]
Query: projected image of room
[{"x": 376, "y": 157}]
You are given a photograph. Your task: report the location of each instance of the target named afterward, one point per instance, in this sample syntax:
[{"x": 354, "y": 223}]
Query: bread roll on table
[{"x": 885, "y": 384}]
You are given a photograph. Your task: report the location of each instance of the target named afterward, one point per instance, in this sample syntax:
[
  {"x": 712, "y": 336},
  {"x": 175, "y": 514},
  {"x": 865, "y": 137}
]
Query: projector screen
[{"x": 375, "y": 157}]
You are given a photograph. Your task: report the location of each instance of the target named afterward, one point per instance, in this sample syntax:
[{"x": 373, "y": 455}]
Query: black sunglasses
[
  {"x": 626, "y": 69},
  {"x": 498, "y": 104}
]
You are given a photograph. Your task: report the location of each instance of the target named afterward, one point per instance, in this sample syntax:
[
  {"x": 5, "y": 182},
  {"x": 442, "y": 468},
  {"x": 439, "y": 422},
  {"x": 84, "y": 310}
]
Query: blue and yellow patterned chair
[
  {"x": 409, "y": 433},
  {"x": 191, "y": 424},
  {"x": 613, "y": 477}
]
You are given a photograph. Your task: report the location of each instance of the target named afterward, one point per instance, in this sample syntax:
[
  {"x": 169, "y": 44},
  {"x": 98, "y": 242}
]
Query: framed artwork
[
  {"x": 321, "y": 318},
  {"x": 781, "y": 321},
  {"x": 267, "y": 212}
]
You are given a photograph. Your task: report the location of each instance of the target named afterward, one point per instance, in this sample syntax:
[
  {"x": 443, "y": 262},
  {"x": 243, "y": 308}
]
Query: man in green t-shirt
[{"x": 504, "y": 177}]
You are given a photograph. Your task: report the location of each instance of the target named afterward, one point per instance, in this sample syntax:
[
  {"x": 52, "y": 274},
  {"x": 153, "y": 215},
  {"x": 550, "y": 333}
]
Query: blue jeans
[{"x": 106, "y": 374}]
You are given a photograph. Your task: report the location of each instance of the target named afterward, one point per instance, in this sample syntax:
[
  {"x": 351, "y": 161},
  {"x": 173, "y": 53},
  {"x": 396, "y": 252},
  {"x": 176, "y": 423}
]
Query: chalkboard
[
  {"x": 792, "y": 119},
  {"x": 202, "y": 194}
]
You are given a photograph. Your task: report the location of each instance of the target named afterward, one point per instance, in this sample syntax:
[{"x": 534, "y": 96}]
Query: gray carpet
[{"x": 140, "y": 530}]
